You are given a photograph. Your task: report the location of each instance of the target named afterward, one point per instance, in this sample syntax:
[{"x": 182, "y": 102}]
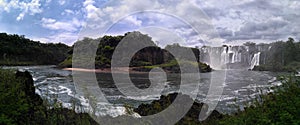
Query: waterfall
[
  {"x": 214, "y": 58},
  {"x": 234, "y": 57},
  {"x": 255, "y": 60},
  {"x": 224, "y": 56}
]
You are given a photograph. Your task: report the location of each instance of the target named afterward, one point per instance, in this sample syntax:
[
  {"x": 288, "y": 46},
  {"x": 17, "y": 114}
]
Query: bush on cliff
[{"x": 20, "y": 105}]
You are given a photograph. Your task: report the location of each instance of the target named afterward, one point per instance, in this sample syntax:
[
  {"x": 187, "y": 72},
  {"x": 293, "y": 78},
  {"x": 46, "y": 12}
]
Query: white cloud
[
  {"x": 254, "y": 20},
  {"x": 70, "y": 26},
  {"x": 88, "y": 2},
  {"x": 235, "y": 20},
  {"x": 2, "y": 2},
  {"x": 67, "y": 38},
  {"x": 32, "y": 7},
  {"x": 162, "y": 36},
  {"x": 67, "y": 12},
  {"x": 20, "y": 17},
  {"x": 48, "y": 1},
  {"x": 61, "y": 2},
  {"x": 93, "y": 13},
  {"x": 48, "y": 20},
  {"x": 113, "y": 12},
  {"x": 42, "y": 40},
  {"x": 133, "y": 20}
]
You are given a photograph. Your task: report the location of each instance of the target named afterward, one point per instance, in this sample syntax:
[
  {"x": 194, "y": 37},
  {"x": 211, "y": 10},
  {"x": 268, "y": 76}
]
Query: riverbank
[
  {"x": 106, "y": 70},
  {"x": 170, "y": 67},
  {"x": 5, "y": 63}
]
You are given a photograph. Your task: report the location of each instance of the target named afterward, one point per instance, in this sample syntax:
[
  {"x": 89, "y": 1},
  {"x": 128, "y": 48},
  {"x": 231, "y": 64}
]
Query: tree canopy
[{"x": 18, "y": 50}]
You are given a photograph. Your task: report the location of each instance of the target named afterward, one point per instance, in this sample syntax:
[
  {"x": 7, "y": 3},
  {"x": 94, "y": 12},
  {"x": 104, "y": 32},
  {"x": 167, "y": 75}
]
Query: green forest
[
  {"x": 18, "y": 50},
  {"x": 284, "y": 56}
]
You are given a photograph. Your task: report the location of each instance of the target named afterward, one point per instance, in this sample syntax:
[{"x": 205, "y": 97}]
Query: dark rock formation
[
  {"x": 191, "y": 117},
  {"x": 28, "y": 87}
]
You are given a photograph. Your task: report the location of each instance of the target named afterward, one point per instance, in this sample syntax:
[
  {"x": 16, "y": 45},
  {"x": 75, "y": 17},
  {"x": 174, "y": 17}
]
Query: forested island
[{"x": 145, "y": 59}]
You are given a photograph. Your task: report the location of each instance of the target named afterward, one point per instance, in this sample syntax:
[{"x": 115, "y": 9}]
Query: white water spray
[{"x": 255, "y": 60}]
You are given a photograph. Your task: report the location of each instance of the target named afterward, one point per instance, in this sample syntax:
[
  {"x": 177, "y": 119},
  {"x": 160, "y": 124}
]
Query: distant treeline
[
  {"x": 282, "y": 56},
  {"x": 18, "y": 50}
]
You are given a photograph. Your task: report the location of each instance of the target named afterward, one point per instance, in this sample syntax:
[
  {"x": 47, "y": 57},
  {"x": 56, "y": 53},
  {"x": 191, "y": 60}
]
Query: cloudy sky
[{"x": 235, "y": 21}]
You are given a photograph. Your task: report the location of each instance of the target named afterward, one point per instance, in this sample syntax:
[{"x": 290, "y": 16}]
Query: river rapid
[{"x": 56, "y": 85}]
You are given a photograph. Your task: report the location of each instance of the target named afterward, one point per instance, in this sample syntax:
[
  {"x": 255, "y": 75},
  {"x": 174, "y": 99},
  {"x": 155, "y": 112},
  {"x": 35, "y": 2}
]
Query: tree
[
  {"x": 19, "y": 50},
  {"x": 290, "y": 51},
  {"x": 249, "y": 44}
]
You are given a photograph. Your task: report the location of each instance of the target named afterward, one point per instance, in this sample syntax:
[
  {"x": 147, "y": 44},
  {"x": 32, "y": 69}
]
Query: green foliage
[
  {"x": 67, "y": 62},
  {"x": 280, "y": 107},
  {"x": 14, "y": 103},
  {"x": 20, "y": 105},
  {"x": 283, "y": 56},
  {"x": 173, "y": 66},
  {"x": 17, "y": 50},
  {"x": 128, "y": 109}
]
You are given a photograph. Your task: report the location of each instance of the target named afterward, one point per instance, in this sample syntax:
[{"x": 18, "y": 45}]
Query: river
[{"x": 240, "y": 87}]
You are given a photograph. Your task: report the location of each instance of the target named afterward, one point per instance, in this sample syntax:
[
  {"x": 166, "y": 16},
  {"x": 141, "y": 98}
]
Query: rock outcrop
[{"x": 191, "y": 117}]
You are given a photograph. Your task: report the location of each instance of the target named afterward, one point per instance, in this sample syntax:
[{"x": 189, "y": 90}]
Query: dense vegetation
[
  {"x": 20, "y": 105},
  {"x": 282, "y": 56},
  {"x": 18, "y": 50},
  {"x": 173, "y": 66},
  {"x": 145, "y": 59}
]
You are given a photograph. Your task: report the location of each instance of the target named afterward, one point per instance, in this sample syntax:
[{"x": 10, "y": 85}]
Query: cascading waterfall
[
  {"x": 255, "y": 60},
  {"x": 230, "y": 55},
  {"x": 224, "y": 56},
  {"x": 234, "y": 57}
]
